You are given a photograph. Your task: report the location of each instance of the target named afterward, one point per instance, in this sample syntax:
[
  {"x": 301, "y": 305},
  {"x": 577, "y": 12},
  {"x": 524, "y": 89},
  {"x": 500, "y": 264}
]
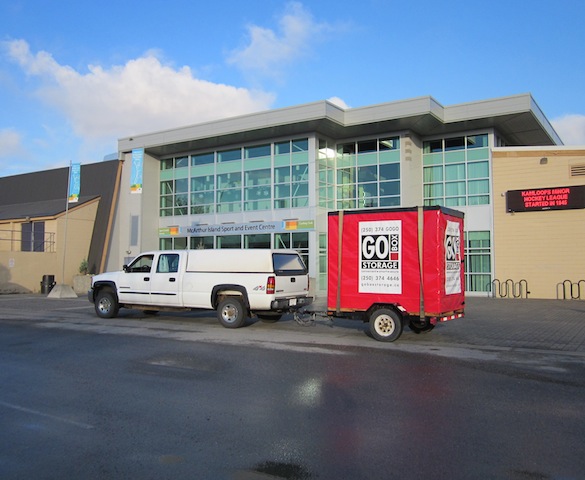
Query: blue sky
[{"x": 76, "y": 76}]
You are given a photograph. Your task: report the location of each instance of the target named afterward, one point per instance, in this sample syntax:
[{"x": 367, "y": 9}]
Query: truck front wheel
[
  {"x": 106, "y": 305},
  {"x": 231, "y": 312},
  {"x": 385, "y": 325}
]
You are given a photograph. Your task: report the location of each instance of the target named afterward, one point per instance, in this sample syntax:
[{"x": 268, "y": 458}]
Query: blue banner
[
  {"x": 136, "y": 173},
  {"x": 74, "y": 182}
]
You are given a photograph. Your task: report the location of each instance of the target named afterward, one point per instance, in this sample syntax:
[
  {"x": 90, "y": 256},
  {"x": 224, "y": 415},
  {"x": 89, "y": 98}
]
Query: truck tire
[
  {"x": 106, "y": 304},
  {"x": 385, "y": 325},
  {"x": 231, "y": 312}
]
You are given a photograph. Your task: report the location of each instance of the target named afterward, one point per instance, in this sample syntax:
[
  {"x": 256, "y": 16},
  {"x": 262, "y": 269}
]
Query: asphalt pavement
[{"x": 539, "y": 325}]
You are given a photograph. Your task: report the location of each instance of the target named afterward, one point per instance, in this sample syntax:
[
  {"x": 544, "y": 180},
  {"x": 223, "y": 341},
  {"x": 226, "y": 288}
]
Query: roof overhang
[
  {"x": 517, "y": 119},
  {"x": 47, "y": 209}
]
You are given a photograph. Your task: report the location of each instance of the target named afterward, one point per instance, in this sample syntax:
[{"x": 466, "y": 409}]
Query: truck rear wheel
[
  {"x": 106, "y": 304},
  {"x": 231, "y": 312},
  {"x": 385, "y": 325}
]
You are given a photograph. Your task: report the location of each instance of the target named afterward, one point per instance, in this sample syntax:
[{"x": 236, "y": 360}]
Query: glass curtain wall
[
  {"x": 236, "y": 180},
  {"x": 478, "y": 271},
  {"x": 368, "y": 174},
  {"x": 456, "y": 171}
]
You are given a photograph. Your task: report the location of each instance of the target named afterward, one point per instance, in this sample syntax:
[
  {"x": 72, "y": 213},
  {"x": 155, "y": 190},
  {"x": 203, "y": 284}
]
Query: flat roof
[{"x": 518, "y": 119}]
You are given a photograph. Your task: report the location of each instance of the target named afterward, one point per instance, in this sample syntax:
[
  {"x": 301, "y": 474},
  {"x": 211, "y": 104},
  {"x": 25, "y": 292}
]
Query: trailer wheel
[
  {"x": 106, "y": 304},
  {"x": 269, "y": 317},
  {"x": 231, "y": 312},
  {"x": 420, "y": 328},
  {"x": 385, "y": 325}
]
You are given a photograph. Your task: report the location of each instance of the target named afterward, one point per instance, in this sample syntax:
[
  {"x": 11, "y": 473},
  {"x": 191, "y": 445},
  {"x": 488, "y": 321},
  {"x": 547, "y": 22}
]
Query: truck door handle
[
  {"x": 147, "y": 279},
  {"x": 172, "y": 279},
  {"x": 293, "y": 279}
]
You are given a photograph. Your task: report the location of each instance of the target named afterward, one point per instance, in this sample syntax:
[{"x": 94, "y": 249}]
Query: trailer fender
[{"x": 393, "y": 306}]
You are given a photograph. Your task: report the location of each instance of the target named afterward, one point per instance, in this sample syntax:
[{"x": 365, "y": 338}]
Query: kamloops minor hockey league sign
[{"x": 380, "y": 257}]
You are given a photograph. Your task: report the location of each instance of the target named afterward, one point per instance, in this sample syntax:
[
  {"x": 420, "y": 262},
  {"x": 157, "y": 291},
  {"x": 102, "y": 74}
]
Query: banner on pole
[
  {"x": 136, "y": 173},
  {"x": 74, "y": 182}
]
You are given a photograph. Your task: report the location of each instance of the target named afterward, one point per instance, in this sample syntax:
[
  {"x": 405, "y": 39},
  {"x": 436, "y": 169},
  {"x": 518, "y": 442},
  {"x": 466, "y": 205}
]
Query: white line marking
[{"x": 41, "y": 414}]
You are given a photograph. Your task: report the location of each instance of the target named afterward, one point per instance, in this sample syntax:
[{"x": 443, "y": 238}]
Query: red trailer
[{"x": 395, "y": 266}]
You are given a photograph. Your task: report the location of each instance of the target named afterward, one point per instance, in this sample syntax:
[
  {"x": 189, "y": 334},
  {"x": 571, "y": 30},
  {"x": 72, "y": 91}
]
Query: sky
[{"x": 77, "y": 76}]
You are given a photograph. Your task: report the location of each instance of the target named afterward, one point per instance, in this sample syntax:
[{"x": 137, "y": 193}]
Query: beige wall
[
  {"x": 26, "y": 269},
  {"x": 544, "y": 248}
]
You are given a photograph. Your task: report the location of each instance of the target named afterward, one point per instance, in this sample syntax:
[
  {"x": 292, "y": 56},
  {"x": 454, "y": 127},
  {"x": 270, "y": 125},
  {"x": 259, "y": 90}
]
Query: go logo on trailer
[{"x": 380, "y": 252}]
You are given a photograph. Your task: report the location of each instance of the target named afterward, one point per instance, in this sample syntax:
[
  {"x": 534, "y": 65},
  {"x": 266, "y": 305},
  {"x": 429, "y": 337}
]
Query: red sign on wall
[{"x": 553, "y": 198}]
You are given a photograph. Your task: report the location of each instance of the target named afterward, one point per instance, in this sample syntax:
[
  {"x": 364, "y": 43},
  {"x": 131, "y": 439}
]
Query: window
[
  {"x": 168, "y": 263},
  {"x": 142, "y": 264},
  {"x": 478, "y": 261},
  {"x": 229, "y": 241},
  {"x": 368, "y": 173},
  {"x": 201, "y": 243},
  {"x": 291, "y": 174},
  {"x": 326, "y": 164},
  {"x": 202, "y": 159},
  {"x": 236, "y": 179},
  {"x": 229, "y": 155},
  {"x": 261, "y": 240},
  {"x": 298, "y": 241},
  {"x": 257, "y": 151},
  {"x": 32, "y": 237},
  {"x": 456, "y": 171}
]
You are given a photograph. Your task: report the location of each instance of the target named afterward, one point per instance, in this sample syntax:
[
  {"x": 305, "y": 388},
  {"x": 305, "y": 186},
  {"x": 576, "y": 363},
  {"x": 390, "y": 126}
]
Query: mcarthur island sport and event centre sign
[{"x": 553, "y": 198}]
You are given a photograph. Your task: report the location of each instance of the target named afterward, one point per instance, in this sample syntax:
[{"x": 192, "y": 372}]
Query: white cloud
[
  {"x": 139, "y": 97},
  {"x": 571, "y": 129},
  {"x": 10, "y": 143},
  {"x": 269, "y": 52}
]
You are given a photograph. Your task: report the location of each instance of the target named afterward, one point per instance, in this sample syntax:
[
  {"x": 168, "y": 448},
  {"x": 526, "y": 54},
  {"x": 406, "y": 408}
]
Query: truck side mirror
[{"x": 125, "y": 268}]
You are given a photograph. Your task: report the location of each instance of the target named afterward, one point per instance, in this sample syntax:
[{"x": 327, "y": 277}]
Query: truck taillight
[{"x": 271, "y": 285}]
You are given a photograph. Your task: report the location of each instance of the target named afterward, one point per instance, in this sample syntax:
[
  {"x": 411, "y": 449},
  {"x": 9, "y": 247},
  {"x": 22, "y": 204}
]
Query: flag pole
[
  {"x": 62, "y": 290},
  {"x": 66, "y": 221}
]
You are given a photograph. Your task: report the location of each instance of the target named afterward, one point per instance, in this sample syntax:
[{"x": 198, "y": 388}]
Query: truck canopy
[{"x": 283, "y": 262}]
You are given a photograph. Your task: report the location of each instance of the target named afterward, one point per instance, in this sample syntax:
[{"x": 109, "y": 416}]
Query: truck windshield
[{"x": 288, "y": 264}]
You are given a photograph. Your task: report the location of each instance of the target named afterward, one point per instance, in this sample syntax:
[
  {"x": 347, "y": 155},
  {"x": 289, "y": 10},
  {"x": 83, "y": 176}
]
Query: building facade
[
  {"x": 269, "y": 179},
  {"x": 42, "y": 235},
  {"x": 539, "y": 218}
]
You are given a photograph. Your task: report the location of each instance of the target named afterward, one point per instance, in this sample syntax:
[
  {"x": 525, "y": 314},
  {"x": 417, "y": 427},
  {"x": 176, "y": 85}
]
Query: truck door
[
  {"x": 164, "y": 288},
  {"x": 135, "y": 283}
]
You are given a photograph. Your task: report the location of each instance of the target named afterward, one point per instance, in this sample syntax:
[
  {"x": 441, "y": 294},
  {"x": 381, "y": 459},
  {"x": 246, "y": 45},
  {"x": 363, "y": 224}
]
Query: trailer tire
[
  {"x": 418, "y": 328},
  {"x": 385, "y": 325},
  {"x": 269, "y": 317},
  {"x": 106, "y": 304},
  {"x": 231, "y": 312}
]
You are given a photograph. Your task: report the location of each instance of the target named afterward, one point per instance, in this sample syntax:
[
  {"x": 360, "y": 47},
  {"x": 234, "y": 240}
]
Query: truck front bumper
[{"x": 291, "y": 303}]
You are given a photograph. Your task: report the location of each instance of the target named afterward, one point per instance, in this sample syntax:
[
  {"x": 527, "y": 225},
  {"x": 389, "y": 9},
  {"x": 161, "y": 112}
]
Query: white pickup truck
[{"x": 236, "y": 283}]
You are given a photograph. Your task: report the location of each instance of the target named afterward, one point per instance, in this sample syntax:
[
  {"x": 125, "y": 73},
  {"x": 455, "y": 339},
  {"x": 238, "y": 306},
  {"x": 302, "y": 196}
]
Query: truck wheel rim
[
  {"x": 385, "y": 325},
  {"x": 230, "y": 313},
  {"x": 104, "y": 305}
]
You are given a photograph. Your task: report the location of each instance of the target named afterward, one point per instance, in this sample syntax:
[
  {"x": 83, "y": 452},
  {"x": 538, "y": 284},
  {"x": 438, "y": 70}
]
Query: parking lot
[
  {"x": 553, "y": 326},
  {"x": 176, "y": 395}
]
